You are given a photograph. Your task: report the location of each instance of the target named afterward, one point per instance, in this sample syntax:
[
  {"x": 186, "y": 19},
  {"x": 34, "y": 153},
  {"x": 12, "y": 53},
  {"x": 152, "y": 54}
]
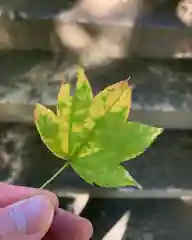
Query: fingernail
[{"x": 33, "y": 215}]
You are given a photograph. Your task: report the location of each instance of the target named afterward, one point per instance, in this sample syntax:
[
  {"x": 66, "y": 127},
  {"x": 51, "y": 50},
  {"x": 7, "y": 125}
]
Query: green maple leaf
[{"x": 92, "y": 133}]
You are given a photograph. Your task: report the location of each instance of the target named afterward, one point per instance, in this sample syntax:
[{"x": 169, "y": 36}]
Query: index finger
[{"x": 10, "y": 194}]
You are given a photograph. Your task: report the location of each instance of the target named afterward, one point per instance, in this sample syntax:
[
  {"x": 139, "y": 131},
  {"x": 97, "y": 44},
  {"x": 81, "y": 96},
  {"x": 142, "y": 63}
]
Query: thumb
[{"x": 28, "y": 219}]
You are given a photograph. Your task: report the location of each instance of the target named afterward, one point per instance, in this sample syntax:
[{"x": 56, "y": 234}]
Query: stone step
[
  {"x": 132, "y": 30},
  {"x": 162, "y": 94},
  {"x": 126, "y": 193},
  {"x": 164, "y": 170},
  {"x": 135, "y": 219},
  {"x": 140, "y": 219}
]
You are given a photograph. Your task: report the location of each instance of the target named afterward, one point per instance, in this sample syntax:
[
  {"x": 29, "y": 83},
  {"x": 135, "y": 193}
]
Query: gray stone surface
[
  {"x": 25, "y": 160},
  {"x": 149, "y": 219},
  {"x": 161, "y": 220},
  {"x": 35, "y": 7},
  {"x": 132, "y": 30},
  {"x": 41, "y": 8},
  {"x": 162, "y": 94}
]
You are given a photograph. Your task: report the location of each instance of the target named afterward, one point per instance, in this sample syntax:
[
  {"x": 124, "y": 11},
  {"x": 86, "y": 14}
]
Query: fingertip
[
  {"x": 85, "y": 228},
  {"x": 29, "y": 218},
  {"x": 69, "y": 226},
  {"x": 51, "y": 196},
  {"x": 12, "y": 193}
]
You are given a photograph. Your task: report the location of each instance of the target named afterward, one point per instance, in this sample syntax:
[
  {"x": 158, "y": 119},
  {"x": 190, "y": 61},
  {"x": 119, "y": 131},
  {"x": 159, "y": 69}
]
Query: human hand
[{"x": 27, "y": 214}]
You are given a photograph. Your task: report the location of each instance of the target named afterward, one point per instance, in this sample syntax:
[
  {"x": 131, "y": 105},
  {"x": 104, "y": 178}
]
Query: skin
[{"x": 62, "y": 225}]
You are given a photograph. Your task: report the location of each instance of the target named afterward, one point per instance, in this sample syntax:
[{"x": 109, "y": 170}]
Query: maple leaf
[{"x": 93, "y": 134}]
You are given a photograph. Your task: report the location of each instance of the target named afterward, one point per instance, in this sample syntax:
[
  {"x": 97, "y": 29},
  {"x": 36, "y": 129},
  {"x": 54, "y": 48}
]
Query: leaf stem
[{"x": 54, "y": 176}]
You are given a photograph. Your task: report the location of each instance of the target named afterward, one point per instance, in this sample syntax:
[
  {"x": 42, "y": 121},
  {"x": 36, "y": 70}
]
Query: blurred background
[{"x": 150, "y": 41}]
